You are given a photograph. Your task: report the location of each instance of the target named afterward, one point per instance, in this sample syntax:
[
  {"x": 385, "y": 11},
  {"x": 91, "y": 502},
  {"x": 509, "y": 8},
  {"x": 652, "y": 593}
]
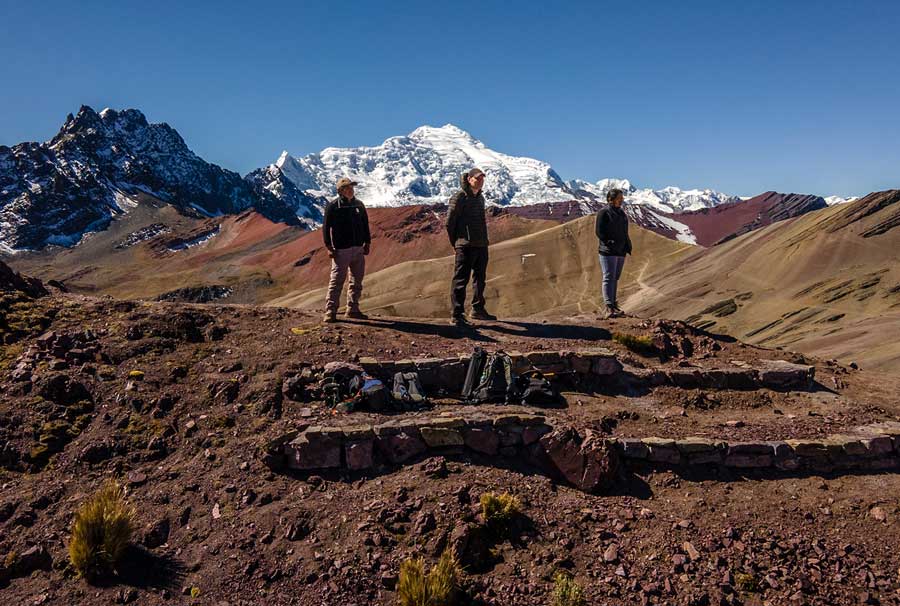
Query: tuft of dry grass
[
  {"x": 641, "y": 345},
  {"x": 566, "y": 592},
  {"x": 498, "y": 510},
  {"x": 101, "y": 532},
  {"x": 437, "y": 588}
]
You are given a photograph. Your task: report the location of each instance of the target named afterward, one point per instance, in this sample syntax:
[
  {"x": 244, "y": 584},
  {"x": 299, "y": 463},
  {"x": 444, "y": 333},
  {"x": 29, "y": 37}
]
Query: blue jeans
[{"x": 612, "y": 271}]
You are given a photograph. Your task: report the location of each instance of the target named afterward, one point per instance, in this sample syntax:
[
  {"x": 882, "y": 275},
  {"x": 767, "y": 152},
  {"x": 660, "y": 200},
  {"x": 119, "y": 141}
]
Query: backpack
[
  {"x": 496, "y": 382},
  {"x": 536, "y": 390},
  {"x": 407, "y": 389},
  {"x": 336, "y": 390},
  {"x": 368, "y": 391},
  {"x": 473, "y": 373}
]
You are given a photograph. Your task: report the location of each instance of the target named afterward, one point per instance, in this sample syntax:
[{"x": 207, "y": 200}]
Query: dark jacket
[
  {"x": 346, "y": 224},
  {"x": 612, "y": 231},
  {"x": 466, "y": 224}
]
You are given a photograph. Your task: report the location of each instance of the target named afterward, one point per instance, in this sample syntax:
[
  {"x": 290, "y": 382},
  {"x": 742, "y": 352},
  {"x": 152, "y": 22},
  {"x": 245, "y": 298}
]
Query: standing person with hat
[
  {"x": 345, "y": 230},
  {"x": 612, "y": 231},
  {"x": 467, "y": 230}
]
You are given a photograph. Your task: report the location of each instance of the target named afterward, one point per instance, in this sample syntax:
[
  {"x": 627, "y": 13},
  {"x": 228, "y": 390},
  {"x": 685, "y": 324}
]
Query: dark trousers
[{"x": 470, "y": 261}]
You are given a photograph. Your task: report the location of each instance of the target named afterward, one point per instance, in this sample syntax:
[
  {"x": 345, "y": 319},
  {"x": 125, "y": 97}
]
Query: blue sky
[{"x": 742, "y": 97}]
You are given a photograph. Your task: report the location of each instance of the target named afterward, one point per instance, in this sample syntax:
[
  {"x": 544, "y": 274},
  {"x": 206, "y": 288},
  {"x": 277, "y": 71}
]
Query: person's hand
[{"x": 366, "y": 247}]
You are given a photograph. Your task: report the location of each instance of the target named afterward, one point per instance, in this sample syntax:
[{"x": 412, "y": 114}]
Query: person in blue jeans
[{"x": 612, "y": 232}]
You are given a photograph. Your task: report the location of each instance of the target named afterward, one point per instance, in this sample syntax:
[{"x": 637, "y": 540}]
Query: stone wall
[
  {"x": 871, "y": 447},
  {"x": 448, "y": 374},
  {"x": 530, "y": 438}
]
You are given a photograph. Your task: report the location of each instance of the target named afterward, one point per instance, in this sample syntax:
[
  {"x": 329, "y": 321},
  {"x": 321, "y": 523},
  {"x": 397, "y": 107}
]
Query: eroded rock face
[{"x": 587, "y": 463}]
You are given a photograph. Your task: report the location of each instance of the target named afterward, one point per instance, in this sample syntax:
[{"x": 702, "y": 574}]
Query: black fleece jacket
[
  {"x": 466, "y": 223},
  {"x": 612, "y": 231},
  {"x": 346, "y": 224}
]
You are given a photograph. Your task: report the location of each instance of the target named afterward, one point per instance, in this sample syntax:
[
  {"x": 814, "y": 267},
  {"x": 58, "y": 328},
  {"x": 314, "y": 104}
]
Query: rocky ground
[{"x": 179, "y": 401}]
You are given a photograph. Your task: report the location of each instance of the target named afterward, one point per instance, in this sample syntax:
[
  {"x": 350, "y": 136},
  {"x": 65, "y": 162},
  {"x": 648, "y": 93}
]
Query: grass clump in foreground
[
  {"x": 498, "y": 510},
  {"x": 101, "y": 532},
  {"x": 642, "y": 345},
  {"x": 566, "y": 592},
  {"x": 437, "y": 588}
]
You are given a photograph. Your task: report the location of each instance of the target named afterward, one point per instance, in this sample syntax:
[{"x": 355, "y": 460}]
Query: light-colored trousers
[{"x": 354, "y": 260}]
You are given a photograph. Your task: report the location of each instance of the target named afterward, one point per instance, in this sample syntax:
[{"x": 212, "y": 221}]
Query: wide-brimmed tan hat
[{"x": 344, "y": 182}]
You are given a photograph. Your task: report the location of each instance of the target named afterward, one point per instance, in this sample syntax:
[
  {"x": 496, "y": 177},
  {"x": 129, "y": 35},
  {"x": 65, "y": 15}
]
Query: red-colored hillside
[{"x": 721, "y": 223}]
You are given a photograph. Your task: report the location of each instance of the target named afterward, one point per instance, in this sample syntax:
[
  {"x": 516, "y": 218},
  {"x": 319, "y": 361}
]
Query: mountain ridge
[{"x": 99, "y": 166}]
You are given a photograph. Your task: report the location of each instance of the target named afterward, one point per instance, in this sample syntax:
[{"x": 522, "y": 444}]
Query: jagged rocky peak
[{"x": 95, "y": 168}]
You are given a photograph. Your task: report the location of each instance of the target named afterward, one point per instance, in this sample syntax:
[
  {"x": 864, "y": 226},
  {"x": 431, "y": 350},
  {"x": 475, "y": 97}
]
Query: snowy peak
[
  {"x": 835, "y": 200},
  {"x": 667, "y": 200},
  {"x": 423, "y": 167},
  {"x": 446, "y": 132}
]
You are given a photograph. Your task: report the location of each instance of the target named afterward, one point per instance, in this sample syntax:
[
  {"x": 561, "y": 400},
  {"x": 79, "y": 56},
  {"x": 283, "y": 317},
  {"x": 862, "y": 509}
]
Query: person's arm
[
  {"x": 368, "y": 235},
  {"x": 326, "y": 227},
  {"x": 453, "y": 218},
  {"x": 601, "y": 228}
]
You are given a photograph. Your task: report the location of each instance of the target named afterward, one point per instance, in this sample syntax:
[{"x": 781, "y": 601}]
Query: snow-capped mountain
[
  {"x": 101, "y": 165},
  {"x": 835, "y": 200},
  {"x": 423, "y": 167},
  {"x": 668, "y": 200},
  {"x": 307, "y": 206}
]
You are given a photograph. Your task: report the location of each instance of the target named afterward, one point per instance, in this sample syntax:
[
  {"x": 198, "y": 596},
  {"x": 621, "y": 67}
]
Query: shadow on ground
[
  {"x": 476, "y": 332},
  {"x": 146, "y": 570}
]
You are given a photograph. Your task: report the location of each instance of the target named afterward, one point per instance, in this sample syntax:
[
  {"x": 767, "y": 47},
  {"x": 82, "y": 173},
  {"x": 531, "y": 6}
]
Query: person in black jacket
[
  {"x": 345, "y": 230},
  {"x": 467, "y": 230},
  {"x": 612, "y": 232}
]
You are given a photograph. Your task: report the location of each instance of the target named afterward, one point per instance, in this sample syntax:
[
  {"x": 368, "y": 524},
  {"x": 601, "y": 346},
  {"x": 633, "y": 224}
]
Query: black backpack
[
  {"x": 473, "y": 373},
  {"x": 495, "y": 381},
  {"x": 536, "y": 390}
]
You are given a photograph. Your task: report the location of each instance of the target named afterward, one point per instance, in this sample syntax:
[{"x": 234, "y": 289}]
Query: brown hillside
[
  {"x": 251, "y": 256},
  {"x": 826, "y": 283},
  {"x": 553, "y": 271}
]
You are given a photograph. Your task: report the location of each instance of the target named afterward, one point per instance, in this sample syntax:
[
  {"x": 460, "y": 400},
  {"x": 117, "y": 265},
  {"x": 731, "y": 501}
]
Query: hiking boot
[
  {"x": 329, "y": 317},
  {"x": 482, "y": 314},
  {"x": 459, "y": 321},
  {"x": 619, "y": 310},
  {"x": 612, "y": 312},
  {"x": 356, "y": 314}
]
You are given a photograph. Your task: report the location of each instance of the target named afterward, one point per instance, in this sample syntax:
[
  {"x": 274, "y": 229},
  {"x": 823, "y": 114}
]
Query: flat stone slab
[
  {"x": 441, "y": 437},
  {"x": 314, "y": 451},
  {"x": 780, "y": 374},
  {"x": 694, "y": 445}
]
